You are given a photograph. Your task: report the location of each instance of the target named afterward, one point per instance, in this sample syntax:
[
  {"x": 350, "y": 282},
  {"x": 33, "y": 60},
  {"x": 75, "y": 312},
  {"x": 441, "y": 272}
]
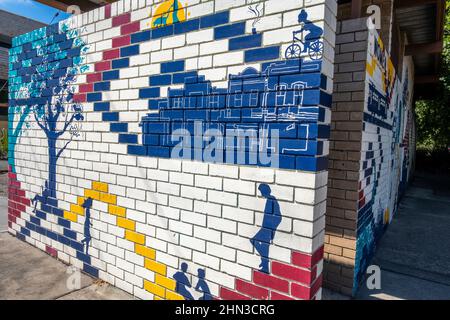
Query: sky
[{"x": 33, "y": 10}]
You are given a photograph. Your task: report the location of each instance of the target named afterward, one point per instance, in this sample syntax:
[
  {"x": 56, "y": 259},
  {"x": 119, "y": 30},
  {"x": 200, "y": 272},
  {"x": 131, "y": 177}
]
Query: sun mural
[{"x": 167, "y": 13}]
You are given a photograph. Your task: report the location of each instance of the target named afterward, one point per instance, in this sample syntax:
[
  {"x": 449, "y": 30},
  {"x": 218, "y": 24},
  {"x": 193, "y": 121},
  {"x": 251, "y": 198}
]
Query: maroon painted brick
[
  {"x": 292, "y": 273},
  {"x": 271, "y": 282},
  {"x": 121, "y": 41},
  {"x": 306, "y": 260},
  {"x": 86, "y": 88},
  {"x": 51, "y": 251},
  {"x": 130, "y": 28},
  {"x": 252, "y": 290},
  {"x": 304, "y": 292},
  {"x": 108, "y": 11},
  {"x": 103, "y": 66},
  {"x": 122, "y": 19},
  {"x": 278, "y": 296},
  {"x": 231, "y": 295},
  {"x": 111, "y": 54},
  {"x": 94, "y": 77},
  {"x": 81, "y": 97}
]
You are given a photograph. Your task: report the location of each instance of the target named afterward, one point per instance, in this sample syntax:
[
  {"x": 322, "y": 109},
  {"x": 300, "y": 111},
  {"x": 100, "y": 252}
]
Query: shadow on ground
[{"x": 414, "y": 254}]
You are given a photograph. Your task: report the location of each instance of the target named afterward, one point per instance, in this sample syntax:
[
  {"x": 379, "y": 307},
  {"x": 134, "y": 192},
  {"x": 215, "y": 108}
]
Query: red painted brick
[
  {"x": 94, "y": 77},
  {"x": 111, "y": 54},
  {"x": 81, "y": 97},
  {"x": 271, "y": 282},
  {"x": 121, "y": 41},
  {"x": 304, "y": 292},
  {"x": 231, "y": 295},
  {"x": 103, "y": 66},
  {"x": 107, "y": 11},
  {"x": 278, "y": 296},
  {"x": 317, "y": 256},
  {"x": 51, "y": 251},
  {"x": 292, "y": 273},
  {"x": 251, "y": 290},
  {"x": 300, "y": 291},
  {"x": 130, "y": 28},
  {"x": 85, "y": 88},
  {"x": 10, "y": 223},
  {"x": 301, "y": 260},
  {"x": 122, "y": 19},
  {"x": 26, "y": 202}
]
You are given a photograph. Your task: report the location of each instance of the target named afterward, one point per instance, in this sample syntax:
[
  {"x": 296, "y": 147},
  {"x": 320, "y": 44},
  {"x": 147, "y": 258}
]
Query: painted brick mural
[
  {"x": 387, "y": 147},
  {"x": 177, "y": 149}
]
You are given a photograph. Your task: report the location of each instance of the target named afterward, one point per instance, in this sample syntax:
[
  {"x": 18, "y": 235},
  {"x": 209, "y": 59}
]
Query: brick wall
[
  {"x": 94, "y": 179},
  {"x": 345, "y": 154}
]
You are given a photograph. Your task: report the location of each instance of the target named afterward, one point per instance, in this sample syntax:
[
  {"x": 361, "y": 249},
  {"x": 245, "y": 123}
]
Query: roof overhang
[{"x": 84, "y": 5}]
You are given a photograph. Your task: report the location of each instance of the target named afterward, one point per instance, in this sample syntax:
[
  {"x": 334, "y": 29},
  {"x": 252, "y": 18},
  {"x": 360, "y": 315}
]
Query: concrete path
[
  {"x": 414, "y": 254},
  {"x": 28, "y": 273},
  {"x": 3, "y": 214}
]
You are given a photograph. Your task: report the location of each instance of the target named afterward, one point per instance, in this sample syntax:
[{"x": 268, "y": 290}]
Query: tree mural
[{"x": 48, "y": 96}]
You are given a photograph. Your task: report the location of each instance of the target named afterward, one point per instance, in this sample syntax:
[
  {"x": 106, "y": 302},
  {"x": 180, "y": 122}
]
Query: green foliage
[
  {"x": 3, "y": 143},
  {"x": 433, "y": 116}
]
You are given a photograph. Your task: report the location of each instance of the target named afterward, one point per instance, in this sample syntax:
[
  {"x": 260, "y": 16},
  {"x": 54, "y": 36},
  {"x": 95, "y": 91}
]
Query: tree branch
[
  {"x": 39, "y": 123},
  {"x": 64, "y": 148},
  {"x": 66, "y": 126}
]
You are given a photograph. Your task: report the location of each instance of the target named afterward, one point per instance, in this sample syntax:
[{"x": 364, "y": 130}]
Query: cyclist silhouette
[{"x": 315, "y": 32}]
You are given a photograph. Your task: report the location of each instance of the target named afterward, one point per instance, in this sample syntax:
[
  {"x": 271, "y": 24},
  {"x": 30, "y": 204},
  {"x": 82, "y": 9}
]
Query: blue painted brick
[
  {"x": 161, "y": 80},
  {"x": 268, "y": 53},
  {"x": 137, "y": 150},
  {"x": 35, "y": 220},
  {"x": 215, "y": 19},
  {"x": 129, "y": 51},
  {"x": 101, "y": 106},
  {"x": 94, "y": 97},
  {"x": 63, "y": 240},
  {"x": 110, "y": 116},
  {"x": 149, "y": 93},
  {"x": 58, "y": 212},
  {"x": 24, "y": 231},
  {"x": 52, "y": 235},
  {"x": 83, "y": 257},
  {"x": 70, "y": 234},
  {"x": 111, "y": 75},
  {"x": 160, "y": 152},
  {"x": 119, "y": 127},
  {"x": 76, "y": 245},
  {"x": 29, "y": 225},
  {"x": 181, "y": 78},
  {"x": 141, "y": 36},
  {"x": 187, "y": 26},
  {"x": 102, "y": 86},
  {"x": 173, "y": 66},
  {"x": 245, "y": 42},
  {"x": 121, "y": 63},
  {"x": 20, "y": 236},
  {"x": 63, "y": 222},
  {"x": 41, "y": 215},
  {"x": 229, "y": 31},
  {"x": 90, "y": 270},
  {"x": 128, "y": 138},
  {"x": 162, "y": 32},
  {"x": 150, "y": 140}
]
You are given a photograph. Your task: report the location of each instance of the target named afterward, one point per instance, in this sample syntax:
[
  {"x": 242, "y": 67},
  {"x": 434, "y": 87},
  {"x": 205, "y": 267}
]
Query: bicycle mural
[{"x": 309, "y": 43}]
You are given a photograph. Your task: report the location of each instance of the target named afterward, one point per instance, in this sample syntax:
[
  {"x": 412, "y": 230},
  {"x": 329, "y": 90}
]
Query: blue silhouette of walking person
[
  {"x": 202, "y": 286},
  {"x": 315, "y": 32},
  {"x": 182, "y": 282},
  {"x": 87, "y": 223},
  {"x": 272, "y": 219}
]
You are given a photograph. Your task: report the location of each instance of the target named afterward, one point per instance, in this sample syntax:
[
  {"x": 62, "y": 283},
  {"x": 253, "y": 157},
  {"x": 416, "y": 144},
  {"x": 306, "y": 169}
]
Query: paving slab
[
  {"x": 3, "y": 214},
  {"x": 27, "y": 273}
]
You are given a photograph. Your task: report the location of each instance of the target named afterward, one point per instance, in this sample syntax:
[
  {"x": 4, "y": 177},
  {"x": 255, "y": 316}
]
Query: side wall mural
[
  {"x": 387, "y": 147},
  {"x": 177, "y": 150}
]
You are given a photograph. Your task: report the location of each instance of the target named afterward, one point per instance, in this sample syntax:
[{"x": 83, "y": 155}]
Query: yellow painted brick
[
  {"x": 153, "y": 288},
  {"x": 156, "y": 298},
  {"x": 144, "y": 251},
  {"x": 70, "y": 216},
  {"x": 76, "y": 209},
  {"x": 156, "y": 267},
  {"x": 173, "y": 296},
  {"x": 92, "y": 194},
  {"x": 108, "y": 198},
  {"x": 165, "y": 282},
  {"x": 100, "y": 186},
  {"x": 134, "y": 237},
  {"x": 117, "y": 211},
  {"x": 126, "y": 223},
  {"x": 80, "y": 201}
]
